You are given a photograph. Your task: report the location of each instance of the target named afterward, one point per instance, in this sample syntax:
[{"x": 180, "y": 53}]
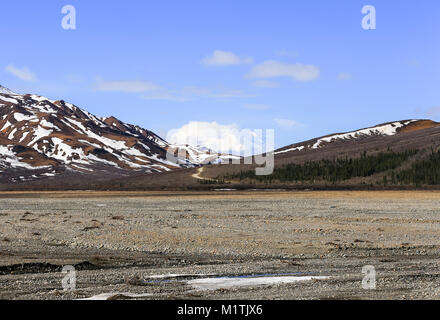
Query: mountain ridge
[
  {"x": 60, "y": 136},
  {"x": 383, "y": 129},
  {"x": 44, "y": 139}
]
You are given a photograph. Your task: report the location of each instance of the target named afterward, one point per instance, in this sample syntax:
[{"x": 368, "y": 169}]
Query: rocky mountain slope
[{"x": 40, "y": 137}]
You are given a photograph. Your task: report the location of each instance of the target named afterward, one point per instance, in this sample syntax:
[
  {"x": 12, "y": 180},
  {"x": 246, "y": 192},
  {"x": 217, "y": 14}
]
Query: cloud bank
[
  {"x": 225, "y": 58},
  {"x": 21, "y": 73},
  {"x": 274, "y": 69},
  {"x": 129, "y": 86},
  {"x": 224, "y": 138}
]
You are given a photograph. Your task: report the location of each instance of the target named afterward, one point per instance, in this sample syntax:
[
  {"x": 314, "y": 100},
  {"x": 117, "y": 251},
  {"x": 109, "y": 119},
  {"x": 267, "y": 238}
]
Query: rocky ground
[{"x": 182, "y": 245}]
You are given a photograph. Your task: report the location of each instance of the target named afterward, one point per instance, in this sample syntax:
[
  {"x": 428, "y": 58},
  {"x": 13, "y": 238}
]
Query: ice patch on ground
[
  {"x": 231, "y": 282},
  {"x": 176, "y": 275},
  {"x": 121, "y": 295}
]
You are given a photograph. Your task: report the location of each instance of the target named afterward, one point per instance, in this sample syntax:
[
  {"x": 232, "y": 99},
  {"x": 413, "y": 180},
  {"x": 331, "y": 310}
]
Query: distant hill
[{"x": 393, "y": 155}]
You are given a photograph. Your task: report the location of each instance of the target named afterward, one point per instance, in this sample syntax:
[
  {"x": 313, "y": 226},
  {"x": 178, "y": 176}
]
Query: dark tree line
[
  {"x": 212, "y": 181},
  {"x": 425, "y": 171},
  {"x": 334, "y": 170}
]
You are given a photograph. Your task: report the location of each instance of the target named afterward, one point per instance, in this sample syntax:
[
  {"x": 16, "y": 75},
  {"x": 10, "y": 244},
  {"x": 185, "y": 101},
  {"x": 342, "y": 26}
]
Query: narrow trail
[{"x": 198, "y": 176}]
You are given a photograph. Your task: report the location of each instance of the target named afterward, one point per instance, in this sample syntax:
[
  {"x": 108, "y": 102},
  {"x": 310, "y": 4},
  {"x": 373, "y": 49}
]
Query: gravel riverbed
[{"x": 154, "y": 246}]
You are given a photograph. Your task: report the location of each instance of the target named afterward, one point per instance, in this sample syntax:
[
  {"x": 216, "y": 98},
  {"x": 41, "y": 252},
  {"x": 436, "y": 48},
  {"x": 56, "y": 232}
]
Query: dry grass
[{"x": 420, "y": 125}]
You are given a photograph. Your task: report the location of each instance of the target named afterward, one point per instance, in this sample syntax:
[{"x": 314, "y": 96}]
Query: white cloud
[
  {"x": 201, "y": 92},
  {"x": 287, "y": 123},
  {"x": 256, "y": 106},
  {"x": 265, "y": 84},
  {"x": 22, "y": 73},
  {"x": 344, "y": 76},
  {"x": 130, "y": 86},
  {"x": 229, "y": 94},
  {"x": 225, "y": 138},
  {"x": 275, "y": 69},
  {"x": 191, "y": 93},
  {"x": 225, "y": 58},
  {"x": 166, "y": 97}
]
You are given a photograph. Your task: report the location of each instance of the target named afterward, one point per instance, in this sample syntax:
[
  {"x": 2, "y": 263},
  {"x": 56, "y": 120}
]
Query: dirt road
[{"x": 198, "y": 174}]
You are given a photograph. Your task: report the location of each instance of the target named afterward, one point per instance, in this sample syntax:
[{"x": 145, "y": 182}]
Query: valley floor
[{"x": 220, "y": 245}]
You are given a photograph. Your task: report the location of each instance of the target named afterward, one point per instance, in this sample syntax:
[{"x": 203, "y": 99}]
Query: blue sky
[{"x": 304, "y": 68}]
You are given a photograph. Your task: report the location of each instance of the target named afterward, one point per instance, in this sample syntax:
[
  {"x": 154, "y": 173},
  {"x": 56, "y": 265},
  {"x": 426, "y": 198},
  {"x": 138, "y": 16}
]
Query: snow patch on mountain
[
  {"x": 387, "y": 129},
  {"x": 9, "y": 159},
  {"x": 384, "y": 130},
  {"x": 6, "y": 90},
  {"x": 289, "y": 150},
  {"x": 200, "y": 155}
]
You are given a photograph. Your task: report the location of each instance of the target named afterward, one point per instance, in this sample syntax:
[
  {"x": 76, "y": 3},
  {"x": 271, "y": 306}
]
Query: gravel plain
[{"x": 154, "y": 244}]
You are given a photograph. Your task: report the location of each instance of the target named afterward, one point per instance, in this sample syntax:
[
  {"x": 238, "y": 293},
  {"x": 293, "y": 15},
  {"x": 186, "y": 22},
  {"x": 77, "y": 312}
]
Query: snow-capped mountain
[
  {"x": 200, "y": 155},
  {"x": 45, "y": 137},
  {"x": 385, "y": 129},
  {"x": 5, "y": 90},
  {"x": 40, "y": 137}
]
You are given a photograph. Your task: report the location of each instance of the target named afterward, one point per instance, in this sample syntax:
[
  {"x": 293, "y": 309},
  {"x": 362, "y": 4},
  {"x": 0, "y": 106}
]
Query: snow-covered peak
[
  {"x": 62, "y": 136},
  {"x": 57, "y": 131},
  {"x": 200, "y": 155},
  {"x": 5, "y": 90}
]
